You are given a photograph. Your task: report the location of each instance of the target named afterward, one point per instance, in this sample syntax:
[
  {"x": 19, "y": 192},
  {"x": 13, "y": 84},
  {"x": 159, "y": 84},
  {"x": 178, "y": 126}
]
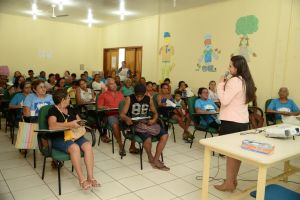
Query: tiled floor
[{"x": 122, "y": 179}]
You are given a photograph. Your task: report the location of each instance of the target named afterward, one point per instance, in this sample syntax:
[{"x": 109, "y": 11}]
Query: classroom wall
[
  {"x": 48, "y": 45},
  {"x": 56, "y": 46},
  {"x": 274, "y": 42}
]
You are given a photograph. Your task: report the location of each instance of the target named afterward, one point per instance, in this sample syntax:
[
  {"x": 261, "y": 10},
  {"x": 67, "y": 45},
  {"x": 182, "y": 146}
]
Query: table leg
[
  {"x": 261, "y": 182},
  {"x": 205, "y": 178},
  {"x": 286, "y": 168}
]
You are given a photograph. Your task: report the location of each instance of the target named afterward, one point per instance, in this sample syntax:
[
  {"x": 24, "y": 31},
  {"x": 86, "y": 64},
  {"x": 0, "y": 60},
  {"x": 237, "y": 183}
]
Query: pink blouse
[{"x": 232, "y": 98}]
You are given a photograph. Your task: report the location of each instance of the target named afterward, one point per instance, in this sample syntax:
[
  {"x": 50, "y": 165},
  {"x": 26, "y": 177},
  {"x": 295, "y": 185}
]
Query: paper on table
[{"x": 139, "y": 118}]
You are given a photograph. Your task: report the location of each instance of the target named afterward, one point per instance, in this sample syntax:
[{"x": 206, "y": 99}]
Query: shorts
[
  {"x": 60, "y": 144},
  {"x": 228, "y": 127},
  {"x": 145, "y": 136},
  {"x": 113, "y": 119}
]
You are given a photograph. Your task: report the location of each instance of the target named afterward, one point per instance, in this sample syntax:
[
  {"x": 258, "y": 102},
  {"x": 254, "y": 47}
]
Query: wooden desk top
[{"x": 230, "y": 145}]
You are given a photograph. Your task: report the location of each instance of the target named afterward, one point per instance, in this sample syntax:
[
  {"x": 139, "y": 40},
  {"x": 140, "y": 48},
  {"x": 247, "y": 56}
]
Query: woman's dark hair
[
  {"x": 59, "y": 95},
  {"x": 81, "y": 80},
  {"x": 200, "y": 90},
  {"x": 22, "y": 85},
  {"x": 35, "y": 83},
  {"x": 180, "y": 82},
  {"x": 49, "y": 76},
  {"x": 149, "y": 83},
  {"x": 163, "y": 84},
  {"x": 167, "y": 79},
  {"x": 16, "y": 83},
  {"x": 74, "y": 75},
  {"x": 240, "y": 63},
  {"x": 210, "y": 82},
  {"x": 58, "y": 82},
  {"x": 178, "y": 92}
]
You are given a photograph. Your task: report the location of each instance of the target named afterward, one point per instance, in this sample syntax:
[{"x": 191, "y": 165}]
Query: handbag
[
  {"x": 26, "y": 137},
  {"x": 142, "y": 127},
  {"x": 74, "y": 134}
]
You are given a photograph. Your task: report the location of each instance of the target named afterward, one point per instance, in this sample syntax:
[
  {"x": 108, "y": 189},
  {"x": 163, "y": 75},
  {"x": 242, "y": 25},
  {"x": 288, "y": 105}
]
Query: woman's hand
[
  {"x": 151, "y": 122},
  {"x": 74, "y": 124},
  {"x": 128, "y": 121}
]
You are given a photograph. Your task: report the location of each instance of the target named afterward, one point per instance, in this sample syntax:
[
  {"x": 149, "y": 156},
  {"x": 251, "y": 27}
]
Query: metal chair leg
[
  {"x": 72, "y": 168},
  {"x": 173, "y": 129},
  {"x": 112, "y": 143},
  {"x": 162, "y": 157},
  {"x": 44, "y": 164},
  {"x": 59, "y": 183},
  {"x": 34, "y": 159},
  {"x": 123, "y": 148},
  {"x": 141, "y": 155},
  {"x": 193, "y": 139}
]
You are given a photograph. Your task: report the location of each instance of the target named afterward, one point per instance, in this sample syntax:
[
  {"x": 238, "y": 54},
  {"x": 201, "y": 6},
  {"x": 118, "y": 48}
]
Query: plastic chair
[
  {"x": 277, "y": 192},
  {"x": 129, "y": 134},
  {"x": 270, "y": 117},
  {"x": 168, "y": 121},
  {"x": 45, "y": 144},
  {"x": 199, "y": 121}
]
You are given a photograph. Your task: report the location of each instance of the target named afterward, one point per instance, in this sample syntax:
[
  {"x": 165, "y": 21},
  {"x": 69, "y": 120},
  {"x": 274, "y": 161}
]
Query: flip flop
[
  {"x": 94, "y": 183},
  {"x": 134, "y": 151}
]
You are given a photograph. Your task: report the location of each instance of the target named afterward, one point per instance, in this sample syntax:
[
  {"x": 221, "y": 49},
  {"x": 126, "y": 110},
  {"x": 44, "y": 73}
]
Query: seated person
[
  {"x": 283, "y": 107},
  {"x": 204, "y": 105},
  {"x": 127, "y": 88},
  {"x": 111, "y": 99},
  {"x": 18, "y": 100},
  {"x": 182, "y": 112},
  {"x": 166, "y": 111},
  {"x": 98, "y": 85},
  {"x": 181, "y": 89},
  {"x": 212, "y": 93},
  {"x": 139, "y": 105},
  {"x": 36, "y": 100},
  {"x": 61, "y": 116}
]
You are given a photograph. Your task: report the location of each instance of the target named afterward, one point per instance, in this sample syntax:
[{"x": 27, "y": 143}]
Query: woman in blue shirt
[{"x": 283, "y": 106}]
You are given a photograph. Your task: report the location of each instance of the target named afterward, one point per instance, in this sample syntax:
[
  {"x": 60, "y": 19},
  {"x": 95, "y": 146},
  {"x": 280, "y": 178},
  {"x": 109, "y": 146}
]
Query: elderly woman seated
[
  {"x": 61, "y": 116},
  {"x": 283, "y": 106}
]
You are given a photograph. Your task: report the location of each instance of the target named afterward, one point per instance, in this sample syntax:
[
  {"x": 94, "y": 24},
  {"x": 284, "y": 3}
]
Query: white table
[{"x": 230, "y": 145}]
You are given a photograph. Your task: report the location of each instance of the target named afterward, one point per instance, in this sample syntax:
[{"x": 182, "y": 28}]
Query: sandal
[
  {"x": 85, "y": 185},
  {"x": 105, "y": 139},
  {"x": 94, "y": 183},
  {"x": 134, "y": 151},
  {"x": 161, "y": 166},
  {"x": 122, "y": 153}
]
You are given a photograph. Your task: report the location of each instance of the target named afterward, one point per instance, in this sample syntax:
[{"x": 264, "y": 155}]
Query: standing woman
[{"x": 234, "y": 94}]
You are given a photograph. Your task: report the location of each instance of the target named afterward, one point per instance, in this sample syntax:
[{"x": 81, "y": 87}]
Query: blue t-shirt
[
  {"x": 289, "y": 106},
  {"x": 17, "y": 99},
  {"x": 35, "y": 103},
  {"x": 207, "y": 105}
]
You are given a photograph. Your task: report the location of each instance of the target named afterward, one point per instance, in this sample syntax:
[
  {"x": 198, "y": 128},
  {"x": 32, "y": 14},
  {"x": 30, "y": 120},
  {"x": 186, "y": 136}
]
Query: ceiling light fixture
[
  {"x": 34, "y": 11},
  {"x": 61, "y": 5},
  {"x": 122, "y": 10},
  {"x": 90, "y": 18}
]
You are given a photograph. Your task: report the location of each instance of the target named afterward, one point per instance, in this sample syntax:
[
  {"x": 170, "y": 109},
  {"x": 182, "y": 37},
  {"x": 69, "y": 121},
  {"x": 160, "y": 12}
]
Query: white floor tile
[
  {"x": 79, "y": 195},
  {"x": 179, "y": 187},
  {"x": 6, "y": 196},
  {"x": 136, "y": 182},
  {"x": 34, "y": 193},
  {"x": 181, "y": 170},
  {"x": 67, "y": 186},
  {"x": 111, "y": 190},
  {"x": 130, "y": 196},
  {"x": 18, "y": 172},
  {"x": 25, "y": 182},
  {"x": 155, "y": 192},
  {"x": 121, "y": 172},
  {"x": 3, "y": 187},
  {"x": 159, "y": 177},
  {"x": 108, "y": 164}
]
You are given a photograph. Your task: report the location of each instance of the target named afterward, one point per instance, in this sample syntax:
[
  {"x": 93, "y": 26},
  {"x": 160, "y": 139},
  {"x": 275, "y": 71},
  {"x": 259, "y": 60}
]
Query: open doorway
[{"x": 113, "y": 58}]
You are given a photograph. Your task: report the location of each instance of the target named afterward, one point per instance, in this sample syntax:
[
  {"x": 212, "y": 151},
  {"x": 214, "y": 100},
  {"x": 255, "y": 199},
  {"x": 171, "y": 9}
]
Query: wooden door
[{"x": 110, "y": 61}]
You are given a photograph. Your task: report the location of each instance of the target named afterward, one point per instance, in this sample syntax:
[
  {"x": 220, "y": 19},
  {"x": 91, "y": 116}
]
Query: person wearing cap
[{"x": 140, "y": 105}]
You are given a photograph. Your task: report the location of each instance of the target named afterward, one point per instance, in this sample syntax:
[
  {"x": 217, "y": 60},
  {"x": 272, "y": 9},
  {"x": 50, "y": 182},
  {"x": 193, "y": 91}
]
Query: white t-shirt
[
  {"x": 123, "y": 74},
  {"x": 213, "y": 96}
]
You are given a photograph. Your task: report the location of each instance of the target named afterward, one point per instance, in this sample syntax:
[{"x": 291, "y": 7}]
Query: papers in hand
[
  {"x": 170, "y": 103},
  {"x": 139, "y": 118}
]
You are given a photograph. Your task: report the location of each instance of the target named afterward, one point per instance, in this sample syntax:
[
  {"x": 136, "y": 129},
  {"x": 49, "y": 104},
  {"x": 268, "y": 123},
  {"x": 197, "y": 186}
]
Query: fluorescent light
[
  {"x": 60, "y": 6},
  {"x": 34, "y": 11},
  {"x": 122, "y": 17},
  {"x": 34, "y": 17}
]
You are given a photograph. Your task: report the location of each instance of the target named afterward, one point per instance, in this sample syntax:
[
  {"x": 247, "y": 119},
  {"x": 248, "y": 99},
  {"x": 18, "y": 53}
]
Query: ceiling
[{"x": 105, "y": 12}]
